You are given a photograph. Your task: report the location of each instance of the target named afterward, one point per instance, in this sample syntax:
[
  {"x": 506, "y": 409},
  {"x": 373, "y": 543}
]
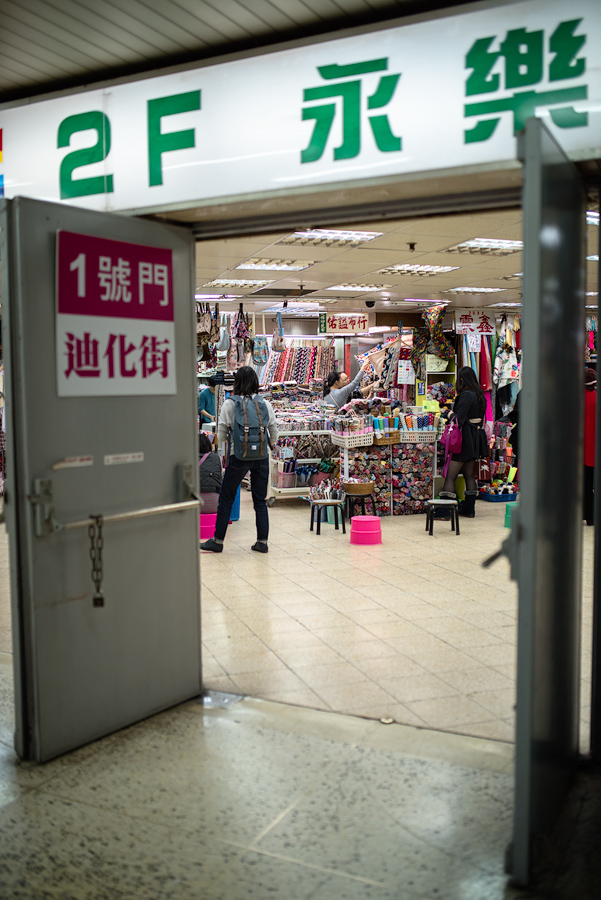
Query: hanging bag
[
  {"x": 260, "y": 348},
  {"x": 224, "y": 340},
  {"x": 249, "y": 342},
  {"x": 452, "y": 437},
  {"x": 203, "y": 320},
  {"x": 241, "y": 329},
  {"x": 214, "y": 333},
  {"x": 277, "y": 344}
]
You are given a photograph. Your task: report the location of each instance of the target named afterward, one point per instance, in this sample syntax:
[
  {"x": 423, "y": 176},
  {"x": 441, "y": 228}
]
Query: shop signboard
[
  {"x": 114, "y": 318},
  {"x": 336, "y": 323},
  {"x": 474, "y": 322},
  {"x": 431, "y": 95}
]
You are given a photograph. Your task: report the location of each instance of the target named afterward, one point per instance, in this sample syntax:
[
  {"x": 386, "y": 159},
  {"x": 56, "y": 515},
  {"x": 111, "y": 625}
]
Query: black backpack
[{"x": 251, "y": 440}]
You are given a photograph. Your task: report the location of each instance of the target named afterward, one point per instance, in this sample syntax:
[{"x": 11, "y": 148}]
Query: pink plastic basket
[{"x": 207, "y": 525}]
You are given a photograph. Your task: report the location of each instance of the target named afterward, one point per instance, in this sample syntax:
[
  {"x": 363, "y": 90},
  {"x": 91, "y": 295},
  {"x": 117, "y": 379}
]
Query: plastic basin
[{"x": 366, "y": 537}]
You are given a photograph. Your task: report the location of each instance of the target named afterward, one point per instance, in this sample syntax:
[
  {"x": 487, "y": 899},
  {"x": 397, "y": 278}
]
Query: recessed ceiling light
[
  {"x": 236, "y": 282},
  {"x": 591, "y": 294},
  {"x": 329, "y": 237},
  {"x": 486, "y": 245},
  {"x": 474, "y": 290},
  {"x": 592, "y": 307},
  {"x": 594, "y": 257},
  {"x": 592, "y": 217},
  {"x": 406, "y": 269},
  {"x": 517, "y": 276},
  {"x": 504, "y": 305},
  {"x": 357, "y": 288},
  {"x": 277, "y": 265}
]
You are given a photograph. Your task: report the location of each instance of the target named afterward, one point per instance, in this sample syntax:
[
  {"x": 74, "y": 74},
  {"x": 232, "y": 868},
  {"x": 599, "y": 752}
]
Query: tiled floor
[{"x": 414, "y": 629}]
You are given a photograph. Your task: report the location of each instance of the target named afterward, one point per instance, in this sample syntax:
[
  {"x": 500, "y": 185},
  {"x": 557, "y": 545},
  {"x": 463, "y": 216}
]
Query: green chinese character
[
  {"x": 523, "y": 54},
  {"x": 481, "y": 61},
  {"x": 350, "y": 93},
  {"x": 565, "y": 45}
]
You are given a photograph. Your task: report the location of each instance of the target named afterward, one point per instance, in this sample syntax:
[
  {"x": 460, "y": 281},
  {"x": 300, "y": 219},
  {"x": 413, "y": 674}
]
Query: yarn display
[{"x": 441, "y": 391}]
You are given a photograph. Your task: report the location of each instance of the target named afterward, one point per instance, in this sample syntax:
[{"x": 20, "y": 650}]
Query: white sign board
[
  {"x": 440, "y": 94},
  {"x": 114, "y": 318},
  {"x": 474, "y": 321},
  {"x": 406, "y": 372}
]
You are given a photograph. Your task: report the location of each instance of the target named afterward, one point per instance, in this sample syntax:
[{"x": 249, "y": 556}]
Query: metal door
[
  {"x": 82, "y": 669},
  {"x": 549, "y": 526}
]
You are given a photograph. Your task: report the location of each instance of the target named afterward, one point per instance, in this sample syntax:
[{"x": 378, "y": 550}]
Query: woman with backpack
[{"x": 248, "y": 422}]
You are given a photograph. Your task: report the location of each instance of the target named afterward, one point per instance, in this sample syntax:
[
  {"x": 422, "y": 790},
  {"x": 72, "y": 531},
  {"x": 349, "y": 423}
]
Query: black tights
[{"x": 467, "y": 469}]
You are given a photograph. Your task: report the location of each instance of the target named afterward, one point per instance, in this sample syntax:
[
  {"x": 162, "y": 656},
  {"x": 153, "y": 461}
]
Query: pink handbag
[{"x": 452, "y": 437}]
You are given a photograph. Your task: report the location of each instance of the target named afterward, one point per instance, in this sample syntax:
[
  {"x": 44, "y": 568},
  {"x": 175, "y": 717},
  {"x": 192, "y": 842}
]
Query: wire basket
[
  {"x": 417, "y": 437},
  {"x": 391, "y": 437},
  {"x": 358, "y": 488},
  {"x": 352, "y": 440}
]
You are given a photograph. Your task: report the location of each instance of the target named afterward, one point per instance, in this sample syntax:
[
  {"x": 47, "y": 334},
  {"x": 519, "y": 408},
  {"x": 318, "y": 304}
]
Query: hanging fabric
[{"x": 215, "y": 331}]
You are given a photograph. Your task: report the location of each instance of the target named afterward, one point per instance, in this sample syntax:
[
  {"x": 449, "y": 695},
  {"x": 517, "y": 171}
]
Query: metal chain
[{"x": 96, "y": 545}]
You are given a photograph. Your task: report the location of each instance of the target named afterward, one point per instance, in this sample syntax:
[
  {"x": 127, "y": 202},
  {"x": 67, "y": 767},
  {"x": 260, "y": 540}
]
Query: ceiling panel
[{"x": 83, "y": 41}]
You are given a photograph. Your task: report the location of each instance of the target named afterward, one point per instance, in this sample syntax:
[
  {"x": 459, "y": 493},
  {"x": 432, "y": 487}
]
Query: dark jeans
[{"x": 235, "y": 471}]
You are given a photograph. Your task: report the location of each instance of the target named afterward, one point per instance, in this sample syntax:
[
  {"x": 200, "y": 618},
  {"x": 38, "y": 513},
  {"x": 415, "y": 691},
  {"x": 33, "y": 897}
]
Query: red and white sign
[
  {"x": 115, "y": 332},
  {"x": 334, "y": 323},
  {"x": 474, "y": 321}
]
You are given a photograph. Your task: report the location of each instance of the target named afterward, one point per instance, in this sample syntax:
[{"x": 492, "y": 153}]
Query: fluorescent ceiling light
[
  {"x": 236, "y": 282},
  {"x": 329, "y": 237},
  {"x": 406, "y": 269},
  {"x": 594, "y": 257},
  {"x": 380, "y": 329},
  {"x": 591, "y": 294},
  {"x": 487, "y": 245},
  {"x": 277, "y": 265},
  {"x": 592, "y": 307},
  {"x": 357, "y": 288},
  {"x": 504, "y": 305},
  {"x": 517, "y": 276},
  {"x": 429, "y": 302},
  {"x": 473, "y": 290},
  {"x": 592, "y": 217},
  {"x": 217, "y": 296},
  {"x": 325, "y": 299}
]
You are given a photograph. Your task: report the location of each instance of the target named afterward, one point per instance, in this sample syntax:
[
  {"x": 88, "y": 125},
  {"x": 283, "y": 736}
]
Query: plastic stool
[
  {"x": 366, "y": 530},
  {"x": 443, "y": 504},
  {"x": 319, "y": 505},
  {"x": 207, "y": 525}
]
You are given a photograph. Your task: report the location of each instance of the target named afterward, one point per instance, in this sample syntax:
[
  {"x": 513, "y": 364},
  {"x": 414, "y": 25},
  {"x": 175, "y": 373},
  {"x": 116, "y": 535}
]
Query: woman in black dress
[{"x": 469, "y": 410}]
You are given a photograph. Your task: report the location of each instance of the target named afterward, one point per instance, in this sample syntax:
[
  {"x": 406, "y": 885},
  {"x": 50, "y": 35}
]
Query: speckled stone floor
[{"x": 257, "y": 800}]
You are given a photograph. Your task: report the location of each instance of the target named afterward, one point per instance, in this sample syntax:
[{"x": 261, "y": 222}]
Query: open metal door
[
  {"x": 99, "y": 342},
  {"x": 549, "y": 524}
]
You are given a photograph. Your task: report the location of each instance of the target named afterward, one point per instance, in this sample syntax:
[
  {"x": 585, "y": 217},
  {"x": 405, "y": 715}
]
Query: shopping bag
[{"x": 452, "y": 438}]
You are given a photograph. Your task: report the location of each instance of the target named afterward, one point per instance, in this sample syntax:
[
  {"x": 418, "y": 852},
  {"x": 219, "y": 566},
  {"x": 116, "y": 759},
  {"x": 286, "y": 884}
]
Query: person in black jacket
[
  {"x": 209, "y": 473},
  {"x": 469, "y": 410}
]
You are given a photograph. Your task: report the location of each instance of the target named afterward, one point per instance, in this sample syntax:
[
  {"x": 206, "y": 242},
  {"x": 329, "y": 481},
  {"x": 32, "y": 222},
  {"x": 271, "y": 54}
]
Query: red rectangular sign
[{"x": 100, "y": 277}]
